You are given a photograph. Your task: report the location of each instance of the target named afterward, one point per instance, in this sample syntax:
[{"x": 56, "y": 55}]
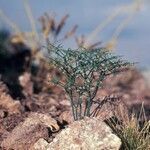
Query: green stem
[{"x": 80, "y": 108}]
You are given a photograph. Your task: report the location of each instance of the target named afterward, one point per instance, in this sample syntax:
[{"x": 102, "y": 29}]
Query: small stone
[{"x": 41, "y": 144}]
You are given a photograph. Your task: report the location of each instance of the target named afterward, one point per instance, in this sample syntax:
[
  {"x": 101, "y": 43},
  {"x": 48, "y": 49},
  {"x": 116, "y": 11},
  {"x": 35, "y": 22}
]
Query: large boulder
[{"x": 87, "y": 134}]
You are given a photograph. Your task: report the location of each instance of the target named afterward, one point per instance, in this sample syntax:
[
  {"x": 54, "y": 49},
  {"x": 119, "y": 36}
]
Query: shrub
[{"x": 84, "y": 73}]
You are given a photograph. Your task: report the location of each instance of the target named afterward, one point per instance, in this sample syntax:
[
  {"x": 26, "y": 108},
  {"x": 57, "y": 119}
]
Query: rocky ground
[
  {"x": 39, "y": 116},
  {"x": 34, "y": 113}
]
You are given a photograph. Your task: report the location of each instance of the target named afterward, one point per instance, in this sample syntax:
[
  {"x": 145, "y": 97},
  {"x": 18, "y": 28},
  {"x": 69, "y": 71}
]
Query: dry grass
[
  {"x": 51, "y": 28},
  {"x": 50, "y": 31},
  {"x": 129, "y": 10},
  {"x": 134, "y": 132}
]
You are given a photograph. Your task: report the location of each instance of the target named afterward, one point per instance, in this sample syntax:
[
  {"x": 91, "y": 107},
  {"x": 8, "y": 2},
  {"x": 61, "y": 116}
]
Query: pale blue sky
[{"x": 134, "y": 41}]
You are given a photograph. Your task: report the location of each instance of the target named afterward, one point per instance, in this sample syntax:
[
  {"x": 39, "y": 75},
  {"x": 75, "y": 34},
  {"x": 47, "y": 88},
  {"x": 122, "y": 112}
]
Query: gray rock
[{"x": 87, "y": 134}]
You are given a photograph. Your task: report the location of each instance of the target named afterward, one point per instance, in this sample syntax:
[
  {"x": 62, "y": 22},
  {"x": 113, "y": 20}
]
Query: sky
[{"x": 133, "y": 42}]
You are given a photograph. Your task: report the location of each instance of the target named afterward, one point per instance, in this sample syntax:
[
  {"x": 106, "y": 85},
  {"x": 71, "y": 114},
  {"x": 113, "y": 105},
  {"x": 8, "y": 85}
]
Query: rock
[
  {"x": 6, "y": 102},
  {"x": 65, "y": 102},
  {"x": 28, "y": 132},
  {"x": 3, "y": 87},
  {"x": 43, "y": 102},
  {"x": 9, "y": 104},
  {"x": 26, "y": 83},
  {"x": 2, "y": 113},
  {"x": 11, "y": 121},
  {"x": 87, "y": 134},
  {"x": 146, "y": 74},
  {"x": 22, "y": 141},
  {"x": 3, "y": 133},
  {"x": 41, "y": 144},
  {"x": 66, "y": 116}
]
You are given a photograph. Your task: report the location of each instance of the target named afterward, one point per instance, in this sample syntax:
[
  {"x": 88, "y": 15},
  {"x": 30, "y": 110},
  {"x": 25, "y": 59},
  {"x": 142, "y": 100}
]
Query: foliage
[
  {"x": 84, "y": 73},
  {"x": 133, "y": 135}
]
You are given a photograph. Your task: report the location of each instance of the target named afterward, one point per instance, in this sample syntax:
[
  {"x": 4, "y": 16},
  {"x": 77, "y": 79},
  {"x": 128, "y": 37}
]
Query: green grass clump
[
  {"x": 84, "y": 73},
  {"x": 133, "y": 135}
]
